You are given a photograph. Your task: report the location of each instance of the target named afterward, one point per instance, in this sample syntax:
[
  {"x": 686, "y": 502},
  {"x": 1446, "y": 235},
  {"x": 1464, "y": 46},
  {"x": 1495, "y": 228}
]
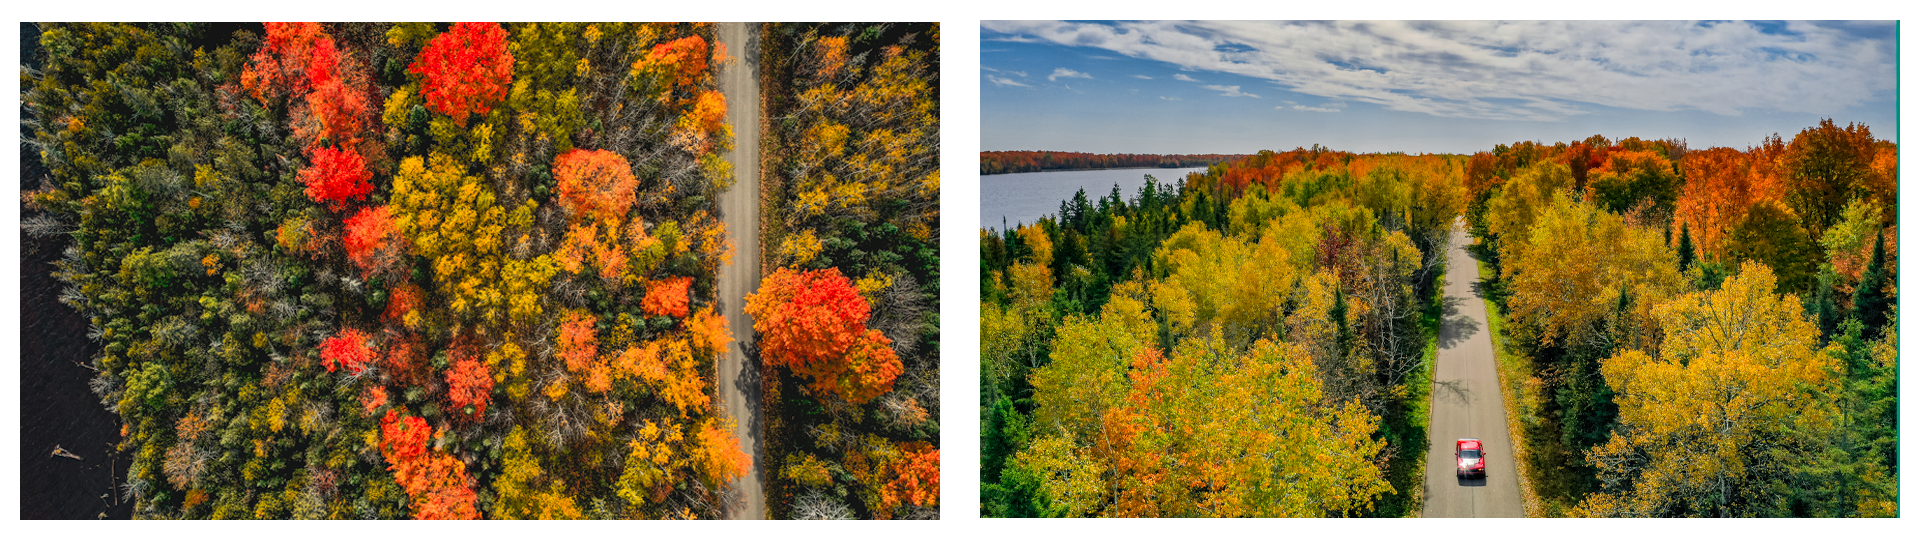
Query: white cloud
[
  {"x": 1535, "y": 70},
  {"x": 1171, "y": 98},
  {"x": 1312, "y": 109},
  {"x": 1142, "y": 77},
  {"x": 1003, "y": 81},
  {"x": 1229, "y": 91},
  {"x": 1064, "y": 72},
  {"x": 1183, "y": 77}
]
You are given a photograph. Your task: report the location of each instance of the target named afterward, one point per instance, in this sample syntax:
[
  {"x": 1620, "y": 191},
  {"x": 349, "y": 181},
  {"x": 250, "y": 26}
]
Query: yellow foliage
[{"x": 1740, "y": 383}]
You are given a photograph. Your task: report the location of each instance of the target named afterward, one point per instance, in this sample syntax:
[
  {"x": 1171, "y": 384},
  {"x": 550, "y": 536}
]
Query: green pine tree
[{"x": 1870, "y": 299}]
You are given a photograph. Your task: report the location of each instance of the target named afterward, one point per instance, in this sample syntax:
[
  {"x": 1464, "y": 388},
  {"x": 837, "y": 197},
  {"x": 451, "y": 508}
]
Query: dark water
[
  {"x": 1023, "y": 198},
  {"x": 56, "y": 408}
]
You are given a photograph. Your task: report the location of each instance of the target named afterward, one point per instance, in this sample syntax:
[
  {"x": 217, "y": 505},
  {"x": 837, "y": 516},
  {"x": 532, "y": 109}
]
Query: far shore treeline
[{"x": 1035, "y": 161}]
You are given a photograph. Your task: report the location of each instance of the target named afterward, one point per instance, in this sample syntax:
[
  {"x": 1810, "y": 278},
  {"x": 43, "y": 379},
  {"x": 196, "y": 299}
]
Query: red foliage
[
  {"x": 595, "y": 183},
  {"x": 337, "y": 176},
  {"x": 469, "y": 383},
  {"x": 374, "y": 399},
  {"x": 347, "y": 350},
  {"x": 578, "y": 346},
  {"x": 284, "y": 65},
  {"x": 815, "y": 323},
  {"x": 437, "y": 482},
  {"x": 667, "y": 297},
  {"x": 373, "y": 240},
  {"x": 338, "y": 102},
  {"x": 465, "y": 71}
]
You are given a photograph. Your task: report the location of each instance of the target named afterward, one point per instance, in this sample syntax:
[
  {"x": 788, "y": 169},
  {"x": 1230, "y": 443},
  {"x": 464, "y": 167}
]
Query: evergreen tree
[
  {"x": 1686, "y": 248},
  {"x": 1825, "y": 312},
  {"x": 1006, "y": 433},
  {"x": 1870, "y": 300}
]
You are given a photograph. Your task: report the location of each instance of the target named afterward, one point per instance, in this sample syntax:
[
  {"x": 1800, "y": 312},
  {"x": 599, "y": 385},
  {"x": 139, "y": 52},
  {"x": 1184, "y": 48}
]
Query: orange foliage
[
  {"x": 401, "y": 301},
  {"x": 718, "y": 454},
  {"x": 282, "y": 66},
  {"x": 641, "y": 362},
  {"x": 373, "y": 240},
  {"x": 465, "y": 71},
  {"x": 815, "y": 323},
  {"x": 915, "y": 477},
  {"x": 709, "y": 331},
  {"x": 374, "y": 399},
  {"x": 683, "y": 60},
  {"x": 596, "y": 183},
  {"x": 578, "y": 346},
  {"x": 469, "y": 383},
  {"x": 437, "y": 482},
  {"x": 667, "y": 297}
]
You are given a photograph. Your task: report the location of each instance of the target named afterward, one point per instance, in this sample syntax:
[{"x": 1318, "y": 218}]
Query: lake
[{"x": 1026, "y": 197}]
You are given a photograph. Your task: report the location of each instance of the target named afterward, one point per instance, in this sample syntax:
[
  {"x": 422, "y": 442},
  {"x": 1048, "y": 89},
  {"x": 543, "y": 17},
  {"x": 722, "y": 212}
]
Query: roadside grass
[{"x": 1547, "y": 487}]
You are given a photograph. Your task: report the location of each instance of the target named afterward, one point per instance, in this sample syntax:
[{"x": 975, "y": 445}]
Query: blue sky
[{"x": 1241, "y": 87}]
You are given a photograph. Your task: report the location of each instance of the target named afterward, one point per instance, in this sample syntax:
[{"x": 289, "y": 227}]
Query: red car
[{"x": 1470, "y": 458}]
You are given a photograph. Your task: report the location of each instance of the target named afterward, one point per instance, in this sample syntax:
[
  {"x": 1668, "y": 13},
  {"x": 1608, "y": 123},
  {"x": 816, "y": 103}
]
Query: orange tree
[{"x": 815, "y": 324}]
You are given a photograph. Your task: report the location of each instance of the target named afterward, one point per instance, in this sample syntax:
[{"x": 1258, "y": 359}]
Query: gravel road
[{"x": 739, "y": 374}]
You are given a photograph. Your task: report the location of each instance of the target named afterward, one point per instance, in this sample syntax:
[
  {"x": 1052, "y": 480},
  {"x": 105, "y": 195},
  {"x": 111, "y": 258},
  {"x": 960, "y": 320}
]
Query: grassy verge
[{"x": 775, "y": 435}]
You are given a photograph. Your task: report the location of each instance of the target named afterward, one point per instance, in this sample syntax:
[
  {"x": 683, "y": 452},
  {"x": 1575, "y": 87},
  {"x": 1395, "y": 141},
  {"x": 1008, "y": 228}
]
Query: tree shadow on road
[
  {"x": 1455, "y": 328},
  {"x": 1454, "y": 390}
]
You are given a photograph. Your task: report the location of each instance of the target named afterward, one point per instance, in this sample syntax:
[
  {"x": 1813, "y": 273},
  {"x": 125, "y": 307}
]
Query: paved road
[
  {"x": 1466, "y": 403},
  {"x": 740, "y": 209}
]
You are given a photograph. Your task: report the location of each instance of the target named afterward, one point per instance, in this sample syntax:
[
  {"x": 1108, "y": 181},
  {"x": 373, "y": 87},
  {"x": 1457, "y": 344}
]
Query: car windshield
[{"x": 1470, "y": 454}]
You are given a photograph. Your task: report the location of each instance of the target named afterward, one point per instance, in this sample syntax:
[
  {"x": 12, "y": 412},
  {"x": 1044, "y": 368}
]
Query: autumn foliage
[
  {"x": 373, "y": 242},
  {"x": 596, "y": 184},
  {"x": 915, "y": 476},
  {"x": 347, "y": 350},
  {"x": 437, "y": 482},
  {"x": 287, "y": 64},
  {"x": 470, "y": 384},
  {"x": 337, "y": 176},
  {"x": 465, "y": 71},
  {"x": 667, "y": 297},
  {"x": 815, "y": 323}
]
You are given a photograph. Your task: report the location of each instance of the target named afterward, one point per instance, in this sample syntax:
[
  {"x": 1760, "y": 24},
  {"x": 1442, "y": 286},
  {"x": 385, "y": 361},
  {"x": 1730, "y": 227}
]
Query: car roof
[{"x": 1469, "y": 443}]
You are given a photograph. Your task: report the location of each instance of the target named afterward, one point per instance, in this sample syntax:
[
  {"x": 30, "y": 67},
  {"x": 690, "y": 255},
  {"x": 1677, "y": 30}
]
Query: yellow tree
[
  {"x": 1739, "y": 392},
  {"x": 451, "y": 220},
  {"x": 1573, "y": 264}
]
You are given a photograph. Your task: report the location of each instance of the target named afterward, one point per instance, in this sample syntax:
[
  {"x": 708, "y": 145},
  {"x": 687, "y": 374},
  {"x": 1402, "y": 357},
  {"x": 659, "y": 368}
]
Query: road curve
[
  {"x": 739, "y": 374},
  {"x": 1466, "y": 403}
]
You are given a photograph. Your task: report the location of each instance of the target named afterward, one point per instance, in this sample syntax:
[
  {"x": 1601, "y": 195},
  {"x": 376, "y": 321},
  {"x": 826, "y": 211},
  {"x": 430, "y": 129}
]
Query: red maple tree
[
  {"x": 347, "y": 350},
  {"x": 465, "y": 71},
  {"x": 337, "y": 176},
  {"x": 282, "y": 66},
  {"x": 667, "y": 297},
  {"x": 438, "y": 482},
  {"x": 373, "y": 241},
  {"x": 469, "y": 383},
  {"x": 815, "y": 323}
]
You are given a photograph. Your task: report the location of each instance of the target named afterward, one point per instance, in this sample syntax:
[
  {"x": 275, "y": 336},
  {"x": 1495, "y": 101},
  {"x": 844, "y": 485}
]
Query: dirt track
[
  {"x": 1466, "y": 403},
  {"x": 739, "y": 374}
]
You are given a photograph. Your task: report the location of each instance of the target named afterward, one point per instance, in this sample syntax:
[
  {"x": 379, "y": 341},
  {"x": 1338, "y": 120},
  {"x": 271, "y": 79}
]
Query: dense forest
[
  {"x": 1682, "y": 332},
  {"x": 848, "y": 310},
  {"x": 1030, "y": 161},
  {"x": 395, "y": 270}
]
